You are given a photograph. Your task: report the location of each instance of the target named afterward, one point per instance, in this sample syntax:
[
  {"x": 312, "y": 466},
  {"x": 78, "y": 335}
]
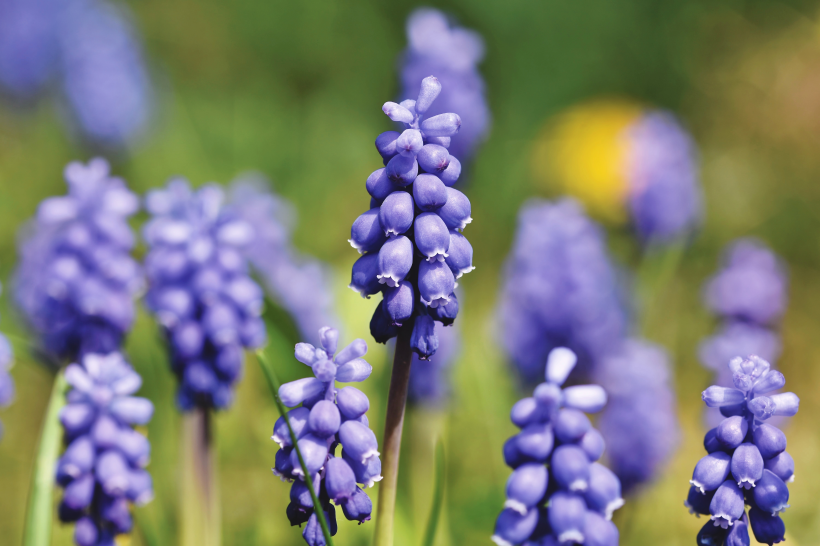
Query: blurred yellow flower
[{"x": 583, "y": 153}]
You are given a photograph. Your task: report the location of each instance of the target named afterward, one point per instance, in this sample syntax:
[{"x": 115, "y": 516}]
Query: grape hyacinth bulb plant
[
  {"x": 209, "y": 309},
  {"x": 749, "y": 294},
  {"x": 412, "y": 251},
  {"x": 452, "y": 53},
  {"x": 327, "y": 418},
  {"x": 558, "y": 493},
  {"x": 200, "y": 291},
  {"x": 746, "y": 462},
  {"x": 76, "y": 281},
  {"x": 102, "y": 469},
  {"x": 296, "y": 282},
  {"x": 560, "y": 289}
]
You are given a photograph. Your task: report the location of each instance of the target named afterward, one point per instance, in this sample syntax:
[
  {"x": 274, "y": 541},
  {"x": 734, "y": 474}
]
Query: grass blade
[
  {"x": 273, "y": 383},
  {"x": 438, "y": 496}
]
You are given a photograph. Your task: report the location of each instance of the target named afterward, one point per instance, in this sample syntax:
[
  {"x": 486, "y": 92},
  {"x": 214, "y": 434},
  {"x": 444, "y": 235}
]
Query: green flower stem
[
  {"x": 656, "y": 272},
  {"x": 438, "y": 496},
  {"x": 199, "y": 495},
  {"x": 40, "y": 503},
  {"x": 273, "y": 383},
  {"x": 394, "y": 421}
]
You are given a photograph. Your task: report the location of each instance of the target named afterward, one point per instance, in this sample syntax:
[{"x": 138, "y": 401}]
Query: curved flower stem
[
  {"x": 40, "y": 503},
  {"x": 391, "y": 446},
  {"x": 273, "y": 383},
  {"x": 199, "y": 499}
]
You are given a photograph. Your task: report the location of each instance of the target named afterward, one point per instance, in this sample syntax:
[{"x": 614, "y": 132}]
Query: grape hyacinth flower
[
  {"x": 76, "y": 281},
  {"x": 102, "y": 470},
  {"x": 746, "y": 462},
  {"x": 558, "y": 493},
  {"x": 664, "y": 187},
  {"x": 328, "y": 418},
  {"x": 749, "y": 295},
  {"x": 410, "y": 240},
  {"x": 300, "y": 284},
  {"x": 200, "y": 291},
  {"x": 28, "y": 46},
  {"x": 638, "y": 384},
  {"x": 6, "y": 381},
  {"x": 452, "y": 53},
  {"x": 102, "y": 72},
  {"x": 560, "y": 289}
]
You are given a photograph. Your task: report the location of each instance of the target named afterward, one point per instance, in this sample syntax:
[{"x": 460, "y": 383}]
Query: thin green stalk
[
  {"x": 199, "y": 491},
  {"x": 40, "y": 503},
  {"x": 273, "y": 383},
  {"x": 393, "y": 424},
  {"x": 438, "y": 496},
  {"x": 658, "y": 267}
]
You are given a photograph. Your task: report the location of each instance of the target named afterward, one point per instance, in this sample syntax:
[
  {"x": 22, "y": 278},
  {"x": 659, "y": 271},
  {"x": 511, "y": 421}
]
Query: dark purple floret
[
  {"x": 200, "y": 291},
  {"x": 102, "y": 470},
  {"x": 557, "y": 493},
  {"x": 747, "y": 463},
  {"x": 76, "y": 280},
  {"x": 327, "y": 419},
  {"x": 413, "y": 225}
]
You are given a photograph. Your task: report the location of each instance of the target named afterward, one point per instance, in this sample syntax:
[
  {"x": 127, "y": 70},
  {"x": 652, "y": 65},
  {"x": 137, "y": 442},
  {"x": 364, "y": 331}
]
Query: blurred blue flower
[
  {"x": 6, "y": 381},
  {"x": 76, "y": 281},
  {"x": 300, "y": 284},
  {"x": 328, "y": 417},
  {"x": 430, "y": 381},
  {"x": 102, "y": 469},
  {"x": 639, "y": 423},
  {"x": 452, "y": 53},
  {"x": 560, "y": 289},
  {"x": 558, "y": 493},
  {"x": 200, "y": 291},
  {"x": 746, "y": 461},
  {"x": 663, "y": 185},
  {"x": 102, "y": 72},
  {"x": 749, "y": 294},
  {"x": 410, "y": 241},
  {"x": 28, "y": 46},
  {"x": 91, "y": 51}
]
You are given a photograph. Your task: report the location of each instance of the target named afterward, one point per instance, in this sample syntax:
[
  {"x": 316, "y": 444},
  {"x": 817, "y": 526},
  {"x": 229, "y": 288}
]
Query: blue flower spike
[
  {"x": 746, "y": 463},
  {"x": 415, "y": 219},
  {"x": 328, "y": 418},
  {"x": 557, "y": 493}
]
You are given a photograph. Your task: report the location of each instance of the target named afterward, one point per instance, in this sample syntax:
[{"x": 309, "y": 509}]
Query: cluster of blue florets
[
  {"x": 102, "y": 469},
  {"x": 327, "y": 418},
  {"x": 558, "y": 493},
  {"x": 747, "y": 462},
  {"x": 200, "y": 290},
  {"x": 411, "y": 241},
  {"x": 76, "y": 281}
]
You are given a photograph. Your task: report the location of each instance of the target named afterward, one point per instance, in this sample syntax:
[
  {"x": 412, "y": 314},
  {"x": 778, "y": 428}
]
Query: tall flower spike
[
  {"x": 28, "y": 46},
  {"x": 452, "y": 53},
  {"x": 407, "y": 234},
  {"x": 6, "y": 381},
  {"x": 103, "y": 75},
  {"x": 560, "y": 289},
  {"x": 102, "y": 469},
  {"x": 573, "y": 501},
  {"x": 328, "y": 418},
  {"x": 200, "y": 291},
  {"x": 76, "y": 281},
  {"x": 640, "y": 422},
  {"x": 300, "y": 284},
  {"x": 749, "y": 294},
  {"x": 746, "y": 463}
]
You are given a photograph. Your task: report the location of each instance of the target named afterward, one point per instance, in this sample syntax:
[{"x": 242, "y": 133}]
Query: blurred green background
[{"x": 294, "y": 89}]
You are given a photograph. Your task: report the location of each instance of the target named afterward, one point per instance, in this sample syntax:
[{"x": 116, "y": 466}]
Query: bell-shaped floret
[
  {"x": 739, "y": 533},
  {"x": 399, "y": 302},
  {"x": 716, "y": 397},
  {"x": 381, "y": 325},
  {"x": 727, "y": 505},
  {"x": 436, "y": 283},
  {"x": 697, "y": 502},
  {"x": 433, "y": 158},
  {"x": 314, "y": 453},
  {"x": 368, "y": 472},
  {"x": 296, "y": 392},
  {"x": 456, "y": 211},
  {"x": 560, "y": 362},
  {"x": 379, "y": 185},
  {"x": 535, "y": 441},
  {"x": 511, "y": 527},
  {"x": 386, "y": 145},
  {"x": 432, "y": 236},
  {"x": 423, "y": 339},
  {"x": 429, "y": 192},
  {"x": 526, "y": 487},
  {"x": 358, "y": 441},
  {"x": 355, "y": 371},
  {"x": 571, "y": 425},
  {"x": 430, "y": 88},
  {"x": 767, "y": 528},
  {"x": 298, "y": 421},
  {"x": 447, "y": 313},
  {"x": 409, "y": 143},
  {"x": 339, "y": 480},
  {"x": 358, "y": 506},
  {"x": 731, "y": 431},
  {"x": 352, "y": 402},
  {"x": 459, "y": 255},
  {"x": 396, "y": 213},
  {"x": 771, "y": 381},
  {"x": 782, "y": 466},
  {"x": 570, "y": 467},
  {"x": 747, "y": 465},
  {"x": 770, "y": 440},
  {"x": 324, "y": 419},
  {"x": 402, "y": 169},
  {"x": 395, "y": 260},
  {"x": 441, "y": 125},
  {"x": 604, "y": 492},
  {"x": 599, "y": 531},
  {"x": 771, "y": 494},
  {"x": 567, "y": 516},
  {"x": 366, "y": 234},
  {"x": 450, "y": 175},
  {"x": 593, "y": 444},
  {"x": 397, "y": 113},
  {"x": 711, "y": 471},
  {"x": 587, "y": 398}
]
